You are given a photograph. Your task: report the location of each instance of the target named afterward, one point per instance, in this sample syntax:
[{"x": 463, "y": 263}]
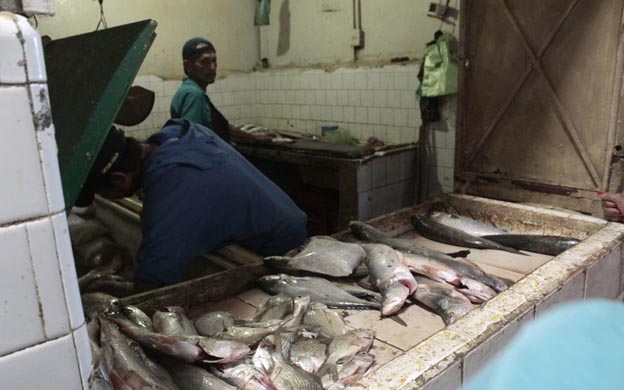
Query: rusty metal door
[{"x": 540, "y": 100}]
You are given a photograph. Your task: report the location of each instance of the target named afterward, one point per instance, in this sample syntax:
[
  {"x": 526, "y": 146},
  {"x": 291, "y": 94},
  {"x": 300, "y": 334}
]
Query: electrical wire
[{"x": 102, "y": 20}]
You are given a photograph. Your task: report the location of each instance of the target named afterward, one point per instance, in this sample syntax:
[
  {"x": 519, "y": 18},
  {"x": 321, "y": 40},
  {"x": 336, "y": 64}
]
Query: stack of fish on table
[
  {"x": 102, "y": 265},
  {"x": 289, "y": 344},
  {"x": 295, "y": 340}
]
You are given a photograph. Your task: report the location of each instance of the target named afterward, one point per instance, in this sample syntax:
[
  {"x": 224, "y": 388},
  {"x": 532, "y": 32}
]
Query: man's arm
[
  {"x": 195, "y": 109},
  {"x": 612, "y": 206}
]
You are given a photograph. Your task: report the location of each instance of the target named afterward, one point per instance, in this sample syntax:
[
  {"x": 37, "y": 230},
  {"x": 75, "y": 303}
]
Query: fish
[
  {"x": 190, "y": 377},
  {"x": 211, "y": 323},
  {"x": 344, "y": 348},
  {"x": 96, "y": 303},
  {"x": 390, "y": 276},
  {"x": 318, "y": 289},
  {"x": 432, "y": 269},
  {"x": 463, "y": 267},
  {"x": 173, "y": 322},
  {"x": 276, "y": 307},
  {"x": 129, "y": 366},
  {"x": 321, "y": 255},
  {"x": 442, "y": 298},
  {"x": 137, "y": 316},
  {"x": 288, "y": 377},
  {"x": 112, "y": 284},
  {"x": 548, "y": 245},
  {"x": 308, "y": 354},
  {"x": 465, "y": 224},
  {"x": 244, "y": 377},
  {"x": 111, "y": 267},
  {"x": 186, "y": 348},
  {"x": 250, "y": 335},
  {"x": 330, "y": 322},
  {"x": 449, "y": 235},
  {"x": 476, "y": 291},
  {"x": 350, "y": 373},
  {"x": 96, "y": 252},
  {"x": 299, "y": 310}
]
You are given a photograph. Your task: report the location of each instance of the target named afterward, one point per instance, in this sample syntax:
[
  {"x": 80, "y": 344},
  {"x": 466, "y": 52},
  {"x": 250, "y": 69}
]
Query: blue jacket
[{"x": 199, "y": 195}]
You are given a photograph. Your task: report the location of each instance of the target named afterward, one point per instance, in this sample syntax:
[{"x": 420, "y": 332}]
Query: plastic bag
[
  {"x": 441, "y": 67},
  {"x": 262, "y": 13}
]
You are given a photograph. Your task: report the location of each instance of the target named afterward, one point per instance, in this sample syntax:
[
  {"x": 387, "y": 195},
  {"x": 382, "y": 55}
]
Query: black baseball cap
[
  {"x": 110, "y": 156},
  {"x": 195, "y": 46}
]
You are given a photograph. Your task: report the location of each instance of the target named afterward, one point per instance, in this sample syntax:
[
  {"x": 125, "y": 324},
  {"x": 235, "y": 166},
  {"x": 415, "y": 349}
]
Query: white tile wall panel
[
  {"x": 68, "y": 271},
  {"x": 47, "y": 148},
  {"x": 49, "y": 366},
  {"x": 12, "y": 66},
  {"x": 21, "y": 174},
  {"x": 449, "y": 379},
  {"x": 47, "y": 274},
  {"x": 33, "y": 51},
  {"x": 83, "y": 350},
  {"x": 20, "y": 314},
  {"x": 603, "y": 277},
  {"x": 573, "y": 289}
]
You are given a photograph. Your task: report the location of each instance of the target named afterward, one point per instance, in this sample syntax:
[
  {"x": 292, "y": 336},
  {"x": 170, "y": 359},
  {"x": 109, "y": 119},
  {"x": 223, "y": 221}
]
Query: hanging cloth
[
  {"x": 440, "y": 67},
  {"x": 262, "y": 13}
]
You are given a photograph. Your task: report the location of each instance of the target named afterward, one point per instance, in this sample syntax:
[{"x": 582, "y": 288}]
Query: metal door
[{"x": 539, "y": 93}]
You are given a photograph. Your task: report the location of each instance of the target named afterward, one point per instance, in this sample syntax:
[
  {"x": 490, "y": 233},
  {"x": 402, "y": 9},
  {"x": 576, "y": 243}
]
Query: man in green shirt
[{"x": 191, "y": 101}]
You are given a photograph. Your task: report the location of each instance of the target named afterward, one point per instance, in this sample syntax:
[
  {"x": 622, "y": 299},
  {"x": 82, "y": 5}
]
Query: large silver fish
[
  {"x": 390, "y": 276},
  {"x": 442, "y": 298},
  {"x": 137, "y": 316},
  {"x": 187, "y": 348},
  {"x": 548, "y": 245},
  {"x": 190, "y": 377},
  {"x": 210, "y": 323},
  {"x": 318, "y": 289},
  {"x": 173, "y": 322},
  {"x": 449, "y": 235},
  {"x": 465, "y": 224},
  {"x": 130, "y": 367},
  {"x": 432, "y": 269},
  {"x": 463, "y": 267},
  {"x": 321, "y": 255}
]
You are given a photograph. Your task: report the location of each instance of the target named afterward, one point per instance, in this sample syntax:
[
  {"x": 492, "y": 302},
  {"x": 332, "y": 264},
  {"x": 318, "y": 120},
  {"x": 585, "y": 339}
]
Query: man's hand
[{"x": 612, "y": 206}]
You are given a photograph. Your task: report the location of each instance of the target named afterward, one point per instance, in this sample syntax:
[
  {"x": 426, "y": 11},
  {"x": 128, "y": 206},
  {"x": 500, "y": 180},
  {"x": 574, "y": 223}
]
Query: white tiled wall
[
  {"x": 43, "y": 343},
  {"x": 367, "y": 101}
]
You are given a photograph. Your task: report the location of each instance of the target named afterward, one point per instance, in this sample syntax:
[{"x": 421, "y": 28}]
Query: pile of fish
[
  {"x": 396, "y": 270},
  {"x": 289, "y": 344},
  {"x": 100, "y": 262}
]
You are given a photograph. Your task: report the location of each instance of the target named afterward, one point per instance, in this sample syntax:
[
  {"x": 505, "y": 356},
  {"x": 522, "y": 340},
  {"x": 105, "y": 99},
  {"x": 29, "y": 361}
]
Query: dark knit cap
[{"x": 195, "y": 46}]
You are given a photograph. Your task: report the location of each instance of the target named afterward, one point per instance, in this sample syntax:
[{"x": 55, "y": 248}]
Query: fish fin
[
  {"x": 462, "y": 253},
  {"x": 398, "y": 320}
]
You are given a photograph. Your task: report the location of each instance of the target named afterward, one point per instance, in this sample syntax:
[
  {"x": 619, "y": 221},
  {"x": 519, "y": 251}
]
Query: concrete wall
[{"x": 228, "y": 24}]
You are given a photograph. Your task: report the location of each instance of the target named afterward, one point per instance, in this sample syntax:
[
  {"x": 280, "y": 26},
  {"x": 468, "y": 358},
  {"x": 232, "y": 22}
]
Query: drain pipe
[{"x": 357, "y": 35}]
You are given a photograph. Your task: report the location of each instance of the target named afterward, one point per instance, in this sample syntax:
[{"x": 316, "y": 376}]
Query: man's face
[{"x": 202, "y": 68}]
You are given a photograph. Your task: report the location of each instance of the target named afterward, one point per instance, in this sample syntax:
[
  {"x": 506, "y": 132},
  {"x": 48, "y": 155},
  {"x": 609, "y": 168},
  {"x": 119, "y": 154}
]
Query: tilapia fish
[
  {"x": 275, "y": 308},
  {"x": 318, "y": 289},
  {"x": 465, "y": 224},
  {"x": 349, "y": 373},
  {"x": 322, "y": 255},
  {"x": 129, "y": 367},
  {"x": 449, "y": 235},
  {"x": 250, "y": 335},
  {"x": 548, "y": 245},
  {"x": 463, "y": 267},
  {"x": 211, "y": 323},
  {"x": 288, "y": 377},
  {"x": 330, "y": 323},
  {"x": 190, "y": 377},
  {"x": 390, "y": 276},
  {"x": 244, "y": 377},
  {"x": 308, "y": 354},
  {"x": 173, "y": 322},
  {"x": 187, "y": 348},
  {"x": 345, "y": 347},
  {"x": 443, "y": 299}
]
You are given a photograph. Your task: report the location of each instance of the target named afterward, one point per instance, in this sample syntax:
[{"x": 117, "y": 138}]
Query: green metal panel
[{"x": 89, "y": 76}]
